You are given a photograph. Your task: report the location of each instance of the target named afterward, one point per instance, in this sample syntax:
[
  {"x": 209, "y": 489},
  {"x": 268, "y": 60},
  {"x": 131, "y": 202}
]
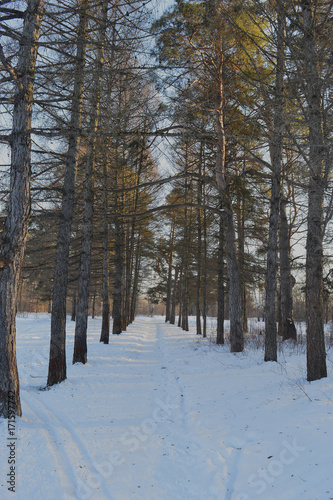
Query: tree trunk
[
  {"x": 127, "y": 278},
  {"x": 73, "y": 307},
  {"x": 80, "y": 340},
  {"x": 174, "y": 298},
  {"x": 135, "y": 278},
  {"x": 185, "y": 291},
  {"x": 287, "y": 330},
  {"x": 184, "y": 297},
  {"x": 204, "y": 294},
  {"x": 276, "y": 153},
  {"x": 235, "y": 300},
  {"x": 199, "y": 252},
  {"x": 241, "y": 251},
  {"x": 57, "y": 361},
  {"x": 180, "y": 296},
  {"x": 220, "y": 287},
  {"x": 105, "y": 331},
  {"x": 16, "y": 225},
  {"x": 93, "y": 306},
  {"x": 118, "y": 278},
  {"x": 169, "y": 282},
  {"x": 316, "y": 355}
]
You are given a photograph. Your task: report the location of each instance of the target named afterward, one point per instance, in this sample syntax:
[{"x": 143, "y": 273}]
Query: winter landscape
[
  {"x": 162, "y": 414},
  {"x": 163, "y": 163}
]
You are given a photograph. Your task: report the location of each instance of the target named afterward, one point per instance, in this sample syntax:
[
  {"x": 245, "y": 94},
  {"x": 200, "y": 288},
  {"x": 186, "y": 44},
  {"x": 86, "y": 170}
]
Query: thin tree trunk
[
  {"x": 105, "y": 331},
  {"x": 180, "y": 296},
  {"x": 235, "y": 300},
  {"x": 174, "y": 298},
  {"x": 220, "y": 287},
  {"x": 135, "y": 278},
  {"x": 199, "y": 251},
  {"x": 127, "y": 278},
  {"x": 16, "y": 225},
  {"x": 93, "y": 306},
  {"x": 80, "y": 340},
  {"x": 204, "y": 295},
  {"x": 287, "y": 330},
  {"x": 118, "y": 276},
  {"x": 316, "y": 355},
  {"x": 276, "y": 151},
  {"x": 241, "y": 249},
  {"x": 73, "y": 307},
  {"x": 169, "y": 281},
  {"x": 185, "y": 294},
  {"x": 57, "y": 362}
]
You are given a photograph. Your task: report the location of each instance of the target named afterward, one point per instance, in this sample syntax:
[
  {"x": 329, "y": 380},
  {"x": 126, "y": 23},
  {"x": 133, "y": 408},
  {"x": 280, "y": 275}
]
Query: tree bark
[
  {"x": 57, "y": 361},
  {"x": 199, "y": 249},
  {"x": 174, "y": 297},
  {"x": 287, "y": 330},
  {"x": 80, "y": 340},
  {"x": 105, "y": 331},
  {"x": 220, "y": 287},
  {"x": 118, "y": 278},
  {"x": 235, "y": 300},
  {"x": 73, "y": 307},
  {"x": 276, "y": 154},
  {"x": 204, "y": 291},
  {"x": 180, "y": 295},
  {"x": 241, "y": 250},
  {"x": 169, "y": 281},
  {"x": 316, "y": 354},
  {"x": 185, "y": 291},
  {"x": 16, "y": 225},
  {"x": 135, "y": 288}
]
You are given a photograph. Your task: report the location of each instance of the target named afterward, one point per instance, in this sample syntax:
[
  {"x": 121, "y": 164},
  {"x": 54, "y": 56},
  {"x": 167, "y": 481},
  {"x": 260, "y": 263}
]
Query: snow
[{"x": 164, "y": 414}]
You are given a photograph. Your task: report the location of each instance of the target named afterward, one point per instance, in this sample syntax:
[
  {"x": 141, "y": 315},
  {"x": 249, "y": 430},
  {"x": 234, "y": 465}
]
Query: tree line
[{"x": 237, "y": 93}]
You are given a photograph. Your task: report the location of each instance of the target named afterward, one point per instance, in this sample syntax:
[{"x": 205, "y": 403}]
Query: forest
[{"x": 172, "y": 157}]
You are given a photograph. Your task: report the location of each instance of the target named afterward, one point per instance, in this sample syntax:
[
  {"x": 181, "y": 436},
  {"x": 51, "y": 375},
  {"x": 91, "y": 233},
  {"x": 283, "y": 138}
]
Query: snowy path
[{"x": 160, "y": 414}]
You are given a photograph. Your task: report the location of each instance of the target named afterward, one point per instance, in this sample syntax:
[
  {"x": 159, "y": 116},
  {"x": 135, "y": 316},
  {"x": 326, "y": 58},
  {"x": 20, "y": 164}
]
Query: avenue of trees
[{"x": 94, "y": 96}]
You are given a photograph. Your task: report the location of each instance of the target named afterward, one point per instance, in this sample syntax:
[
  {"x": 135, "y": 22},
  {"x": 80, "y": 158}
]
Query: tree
[
  {"x": 57, "y": 361},
  {"x": 13, "y": 237},
  {"x": 80, "y": 340},
  {"x": 276, "y": 148},
  {"x": 315, "y": 16}
]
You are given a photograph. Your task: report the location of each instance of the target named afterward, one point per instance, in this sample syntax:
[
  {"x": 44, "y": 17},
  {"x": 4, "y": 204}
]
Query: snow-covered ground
[{"x": 163, "y": 414}]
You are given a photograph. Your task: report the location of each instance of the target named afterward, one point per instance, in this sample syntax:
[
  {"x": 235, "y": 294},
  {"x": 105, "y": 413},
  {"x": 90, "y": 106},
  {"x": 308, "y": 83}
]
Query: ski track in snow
[
  {"x": 219, "y": 464},
  {"x": 66, "y": 444},
  {"x": 183, "y": 431}
]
